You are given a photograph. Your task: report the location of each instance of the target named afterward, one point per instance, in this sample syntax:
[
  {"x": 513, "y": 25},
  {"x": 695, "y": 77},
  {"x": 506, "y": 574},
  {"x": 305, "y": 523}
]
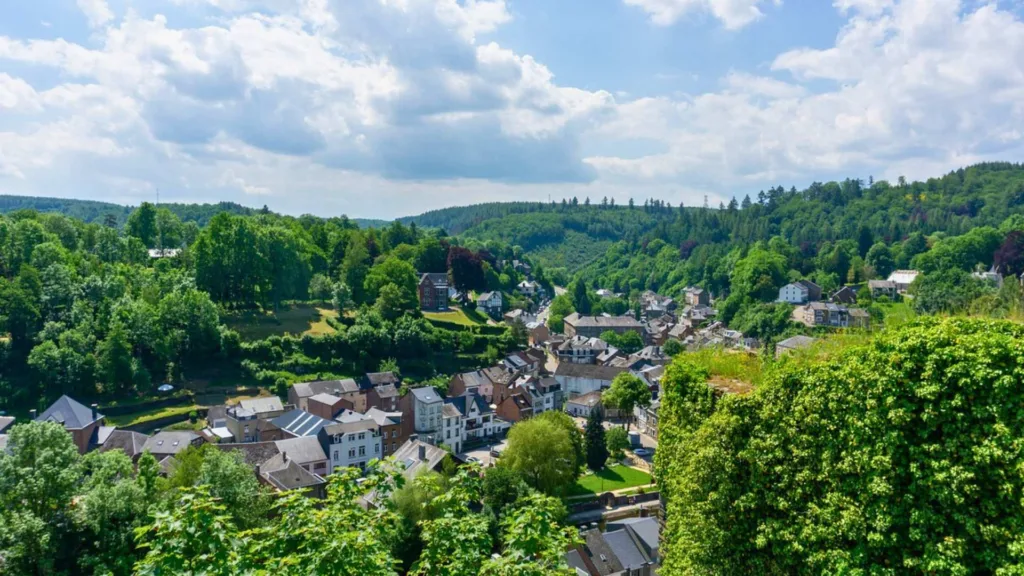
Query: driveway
[{"x": 483, "y": 453}]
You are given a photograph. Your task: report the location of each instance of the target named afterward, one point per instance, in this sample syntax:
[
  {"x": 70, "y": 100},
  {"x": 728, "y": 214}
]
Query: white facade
[
  {"x": 577, "y": 385},
  {"x": 453, "y": 431},
  {"x": 427, "y": 404},
  {"x": 353, "y": 444},
  {"x": 794, "y": 293}
]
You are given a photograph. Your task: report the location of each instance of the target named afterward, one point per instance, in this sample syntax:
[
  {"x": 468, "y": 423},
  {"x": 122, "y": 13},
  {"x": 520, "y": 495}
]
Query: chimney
[
  {"x": 423, "y": 452},
  {"x": 284, "y": 456},
  {"x": 32, "y": 413},
  {"x": 413, "y": 437},
  {"x": 95, "y": 410}
]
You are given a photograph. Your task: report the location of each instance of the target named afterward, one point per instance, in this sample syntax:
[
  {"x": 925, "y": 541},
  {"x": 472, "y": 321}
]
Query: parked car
[{"x": 642, "y": 452}]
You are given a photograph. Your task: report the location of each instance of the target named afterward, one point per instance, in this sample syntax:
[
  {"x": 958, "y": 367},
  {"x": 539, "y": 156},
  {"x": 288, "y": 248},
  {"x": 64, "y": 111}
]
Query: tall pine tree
[{"x": 596, "y": 448}]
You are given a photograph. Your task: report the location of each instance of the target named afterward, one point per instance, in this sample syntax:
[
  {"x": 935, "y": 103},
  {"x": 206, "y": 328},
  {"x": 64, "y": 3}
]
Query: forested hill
[{"x": 92, "y": 211}]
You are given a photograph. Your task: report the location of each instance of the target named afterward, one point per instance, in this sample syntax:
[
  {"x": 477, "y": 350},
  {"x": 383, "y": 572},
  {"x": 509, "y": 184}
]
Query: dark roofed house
[
  {"x": 578, "y": 379},
  {"x": 416, "y": 455},
  {"x": 375, "y": 379},
  {"x": 383, "y": 397},
  {"x": 845, "y": 295},
  {"x": 298, "y": 424},
  {"x": 171, "y": 443},
  {"x": 585, "y": 404},
  {"x": 627, "y": 548},
  {"x": 284, "y": 474},
  {"x": 131, "y": 443},
  {"x": 81, "y": 421},
  {"x": 307, "y": 451},
  {"x": 254, "y": 453},
  {"x": 327, "y": 406},
  {"x": 433, "y": 292},
  {"x": 594, "y": 326}
]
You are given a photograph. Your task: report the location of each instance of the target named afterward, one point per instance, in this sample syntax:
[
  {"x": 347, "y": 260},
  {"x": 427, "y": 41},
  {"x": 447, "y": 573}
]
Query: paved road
[
  {"x": 559, "y": 291},
  {"x": 614, "y": 513}
]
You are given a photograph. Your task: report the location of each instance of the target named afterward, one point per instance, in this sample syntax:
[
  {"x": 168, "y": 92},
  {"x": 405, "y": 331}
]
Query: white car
[{"x": 642, "y": 452}]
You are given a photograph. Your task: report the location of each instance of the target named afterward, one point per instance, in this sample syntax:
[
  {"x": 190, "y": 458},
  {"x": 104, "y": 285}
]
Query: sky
[{"x": 386, "y": 108}]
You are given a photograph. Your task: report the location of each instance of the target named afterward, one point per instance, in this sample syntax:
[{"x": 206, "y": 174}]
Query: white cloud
[
  {"x": 920, "y": 87},
  {"x": 733, "y": 14},
  {"x": 96, "y": 11},
  {"x": 382, "y": 107}
]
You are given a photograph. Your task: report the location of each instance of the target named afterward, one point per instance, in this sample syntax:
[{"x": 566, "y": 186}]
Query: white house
[
  {"x": 352, "y": 441},
  {"x": 794, "y": 293},
  {"x": 423, "y": 407},
  {"x": 577, "y": 379},
  {"x": 453, "y": 429},
  {"x": 528, "y": 288},
  {"x": 490, "y": 302}
]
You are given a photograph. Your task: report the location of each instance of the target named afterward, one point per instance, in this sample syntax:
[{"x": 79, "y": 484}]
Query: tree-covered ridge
[
  {"x": 90, "y": 211},
  {"x": 899, "y": 457}
]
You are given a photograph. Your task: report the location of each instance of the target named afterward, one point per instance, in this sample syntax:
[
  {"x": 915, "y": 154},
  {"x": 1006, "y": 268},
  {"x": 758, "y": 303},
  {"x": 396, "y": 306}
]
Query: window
[
  {"x": 376, "y": 448},
  {"x": 336, "y": 458},
  {"x": 448, "y": 435},
  {"x": 362, "y": 450},
  {"x": 351, "y": 452},
  {"x": 392, "y": 446},
  {"x": 362, "y": 435}
]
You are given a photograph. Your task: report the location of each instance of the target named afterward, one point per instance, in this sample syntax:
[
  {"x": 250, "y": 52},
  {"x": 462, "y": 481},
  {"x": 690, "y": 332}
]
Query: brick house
[{"x": 433, "y": 291}]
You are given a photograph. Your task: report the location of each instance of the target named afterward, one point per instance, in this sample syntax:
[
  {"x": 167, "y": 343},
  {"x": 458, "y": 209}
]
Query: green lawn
[
  {"x": 297, "y": 320},
  {"x": 456, "y": 316},
  {"x": 611, "y": 478},
  {"x": 147, "y": 415}
]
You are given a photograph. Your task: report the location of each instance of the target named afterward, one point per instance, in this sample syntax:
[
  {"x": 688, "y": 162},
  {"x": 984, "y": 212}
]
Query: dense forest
[
  {"x": 86, "y": 310},
  {"x": 113, "y": 215}
]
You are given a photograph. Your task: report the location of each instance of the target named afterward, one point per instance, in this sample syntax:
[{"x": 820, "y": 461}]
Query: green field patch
[
  {"x": 296, "y": 320},
  {"x": 456, "y": 316},
  {"x": 136, "y": 418},
  {"x": 609, "y": 479}
]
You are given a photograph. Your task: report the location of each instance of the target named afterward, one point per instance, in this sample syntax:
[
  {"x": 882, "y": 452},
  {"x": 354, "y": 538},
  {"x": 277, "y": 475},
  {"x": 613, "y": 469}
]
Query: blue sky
[{"x": 382, "y": 108}]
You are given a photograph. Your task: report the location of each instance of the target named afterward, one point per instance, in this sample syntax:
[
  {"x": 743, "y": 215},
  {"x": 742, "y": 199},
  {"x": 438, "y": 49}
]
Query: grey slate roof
[
  {"x": 629, "y": 554},
  {"x": 169, "y": 442},
  {"x": 264, "y": 404},
  {"x": 302, "y": 450},
  {"x": 601, "y": 554},
  {"x": 300, "y": 423},
  {"x": 408, "y": 455},
  {"x": 334, "y": 387},
  {"x": 646, "y": 530},
  {"x": 70, "y": 413},
  {"x": 795, "y": 342},
  {"x": 375, "y": 379},
  {"x": 254, "y": 453},
  {"x": 603, "y": 321},
  {"x": 426, "y": 394},
  {"x": 5, "y": 423},
  {"x": 131, "y": 443},
  {"x": 387, "y": 391},
  {"x": 571, "y": 370},
  {"x": 383, "y": 418},
  {"x": 288, "y": 475},
  {"x": 438, "y": 279}
]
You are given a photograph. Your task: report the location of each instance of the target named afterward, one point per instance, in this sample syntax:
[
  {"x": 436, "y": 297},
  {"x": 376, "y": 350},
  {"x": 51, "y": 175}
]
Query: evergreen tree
[{"x": 596, "y": 446}]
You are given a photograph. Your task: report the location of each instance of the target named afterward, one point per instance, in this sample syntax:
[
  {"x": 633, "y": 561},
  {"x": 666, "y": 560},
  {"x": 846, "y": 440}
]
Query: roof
[
  {"x": 387, "y": 391},
  {"x": 254, "y": 453},
  {"x": 694, "y": 290},
  {"x": 325, "y": 398},
  {"x": 408, "y": 454},
  {"x": 131, "y": 443},
  {"x": 300, "y": 423},
  {"x": 809, "y": 285},
  {"x": 589, "y": 399},
  {"x": 450, "y": 411},
  {"x": 438, "y": 279},
  {"x": 603, "y": 321},
  {"x": 626, "y": 550},
  {"x": 169, "y": 442},
  {"x": 881, "y": 284},
  {"x": 309, "y": 389},
  {"x": 383, "y": 418},
  {"x": 263, "y": 404},
  {"x": 794, "y": 342},
  {"x": 859, "y": 312},
  {"x": 70, "y": 413},
  {"x": 647, "y": 529},
  {"x": 426, "y": 394},
  {"x": 302, "y": 450},
  {"x": 374, "y": 379},
  {"x": 903, "y": 276},
  {"x": 602, "y": 555},
  {"x": 5, "y": 423},
  {"x": 487, "y": 296},
  {"x": 593, "y": 371},
  {"x": 796, "y": 285},
  {"x": 288, "y": 474},
  {"x": 583, "y": 343}
]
